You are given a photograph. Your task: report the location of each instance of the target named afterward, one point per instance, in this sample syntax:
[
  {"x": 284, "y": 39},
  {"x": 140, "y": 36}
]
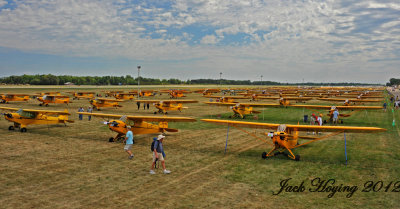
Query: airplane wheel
[
  {"x": 264, "y": 155},
  {"x": 11, "y": 128},
  {"x": 155, "y": 113},
  {"x": 111, "y": 139},
  {"x": 341, "y": 121},
  {"x": 166, "y": 113},
  {"x": 23, "y": 130},
  {"x": 324, "y": 121},
  {"x": 297, "y": 157},
  {"x": 47, "y": 105},
  {"x": 40, "y": 104},
  {"x": 230, "y": 116}
]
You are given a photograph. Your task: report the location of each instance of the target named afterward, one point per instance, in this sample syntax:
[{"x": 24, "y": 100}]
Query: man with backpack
[{"x": 158, "y": 154}]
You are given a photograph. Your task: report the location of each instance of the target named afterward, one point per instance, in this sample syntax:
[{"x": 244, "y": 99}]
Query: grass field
[{"x": 75, "y": 167}]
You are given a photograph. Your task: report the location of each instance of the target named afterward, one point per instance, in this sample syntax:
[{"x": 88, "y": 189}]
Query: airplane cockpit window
[
  {"x": 114, "y": 124},
  {"x": 27, "y": 114}
]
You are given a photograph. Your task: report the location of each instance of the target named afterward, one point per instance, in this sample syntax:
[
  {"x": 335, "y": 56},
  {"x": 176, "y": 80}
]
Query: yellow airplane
[
  {"x": 284, "y": 100},
  {"x": 55, "y": 99},
  {"x": 167, "y": 105},
  {"x": 49, "y": 93},
  {"x": 242, "y": 109},
  {"x": 5, "y": 98},
  {"x": 285, "y": 138},
  {"x": 24, "y": 117},
  {"x": 125, "y": 96},
  {"x": 139, "y": 124},
  {"x": 112, "y": 93},
  {"x": 207, "y": 91},
  {"x": 144, "y": 93},
  {"x": 102, "y": 102},
  {"x": 174, "y": 93},
  {"x": 82, "y": 95},
  {"x": 226, "y": 99}
]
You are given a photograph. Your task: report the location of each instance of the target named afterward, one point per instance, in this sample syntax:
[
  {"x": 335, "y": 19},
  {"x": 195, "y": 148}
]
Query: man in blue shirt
[
  {"x": 129, "y": 142},
  {"x": 335, "y": 116},
  {"x": 157, "y": 154}
]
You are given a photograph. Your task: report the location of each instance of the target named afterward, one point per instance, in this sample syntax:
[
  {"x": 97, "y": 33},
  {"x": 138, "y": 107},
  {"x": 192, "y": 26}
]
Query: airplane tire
[
  {"x": 111, "y": 139},
  {"x": 47, "y": 105},
  {"x": 341, "y": 121},
  {"x": 264, "y": 155},
  {"x": 155, "y": 113},
  {"x": 166, "y": 113},
  {"x": 297, "y": 157},
  {"x": 23, "y": 130},
  {"x": 11, "y": 128}
]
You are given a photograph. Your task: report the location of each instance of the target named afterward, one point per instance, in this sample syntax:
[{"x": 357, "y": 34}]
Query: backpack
[{"x": 152, "y": 144}]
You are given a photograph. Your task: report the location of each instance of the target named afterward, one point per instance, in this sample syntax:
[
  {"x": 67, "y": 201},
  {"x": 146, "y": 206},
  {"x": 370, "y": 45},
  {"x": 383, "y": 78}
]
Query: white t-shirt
[{"x": 320, "y": 121}]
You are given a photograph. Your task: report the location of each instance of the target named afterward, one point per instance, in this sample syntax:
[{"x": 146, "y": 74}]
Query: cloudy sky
[{"x": 283, "y": 40}]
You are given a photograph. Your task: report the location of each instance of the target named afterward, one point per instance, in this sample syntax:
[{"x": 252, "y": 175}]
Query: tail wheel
[
  {"x": 297, "y": 157},
  {"x": 23, "y": 130},
  {"x": 40, "y": 104},
  {"x": 47, "y": 105},
  {"x": 264, "y": 155},
  {"x": 11, "y": 128},
  {"x": 155, "y": 113},
  {"x": 111, "y": 139},
  {"x": 166, "y": 113}
]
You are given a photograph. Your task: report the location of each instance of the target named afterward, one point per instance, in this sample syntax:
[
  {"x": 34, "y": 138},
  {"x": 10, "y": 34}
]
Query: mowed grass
[{"x": 75, "y": 167}]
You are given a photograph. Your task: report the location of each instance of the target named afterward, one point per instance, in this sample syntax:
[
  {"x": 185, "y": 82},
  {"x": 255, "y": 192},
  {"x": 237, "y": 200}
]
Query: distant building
[{"x": 69, "y": 83}]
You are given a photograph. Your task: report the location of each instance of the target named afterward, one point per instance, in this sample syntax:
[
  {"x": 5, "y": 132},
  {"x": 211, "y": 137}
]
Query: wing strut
[
  {"x": 227, "y": 135},
  {"x": 345, "y": 150}
]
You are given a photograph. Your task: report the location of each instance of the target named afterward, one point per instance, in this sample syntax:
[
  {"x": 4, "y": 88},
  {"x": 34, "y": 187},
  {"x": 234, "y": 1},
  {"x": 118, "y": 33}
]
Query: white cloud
[
  {"x": 2, "y": 3},
  {"x": 209, "y": 39},
  {"x": 292, "y": 36}
]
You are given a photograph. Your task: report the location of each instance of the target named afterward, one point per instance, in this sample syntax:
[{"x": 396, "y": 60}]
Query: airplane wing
[
  {"x": 110, "y": 100},
  {"x": 297, "y": 98},
  {"x": 47, "y": 112},
  {"x": 297, "y": 127},
  {"x": 142, "y": 118},
  {"x": 167, "y": 101},
  {"x": 243, "y": 104},
  {"x": 350, "y": 100},
  {"x": 338, "y": 107},
  {"x": 9, "y": 108},
  {"x": 228, "y": 97}
]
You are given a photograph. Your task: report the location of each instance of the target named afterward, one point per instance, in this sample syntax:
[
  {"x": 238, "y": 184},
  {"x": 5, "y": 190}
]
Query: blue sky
[{"x": 286, "y": 41}]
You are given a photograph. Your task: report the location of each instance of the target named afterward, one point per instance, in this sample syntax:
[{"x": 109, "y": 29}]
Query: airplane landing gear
[
  {"x": 23, "y": 130},
  {"x": 11, "y": 128}
]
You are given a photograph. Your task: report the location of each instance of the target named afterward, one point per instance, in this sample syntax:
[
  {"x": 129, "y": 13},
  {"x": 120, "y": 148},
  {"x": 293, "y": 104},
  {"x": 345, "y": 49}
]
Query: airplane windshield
[
  {"x": 114, "y": 124},
  {"x": 27, "y": 114}
]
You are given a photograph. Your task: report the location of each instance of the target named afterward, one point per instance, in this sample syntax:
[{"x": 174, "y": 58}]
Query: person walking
[
  {"x": 157, "y": 154},
  {"x": 335, "y": 116},
  {"x": 89, "y": 110},
  {"x": 81, "y": 110},
  {"x": 129, "y": 142},
  {"x": 138, "y": 105},
  {"x": 148, "y": 105}
]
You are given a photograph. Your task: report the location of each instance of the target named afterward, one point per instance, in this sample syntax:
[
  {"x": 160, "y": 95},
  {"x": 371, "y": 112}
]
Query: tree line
[
  {"x": 49, "y": 79},
  {"x": 393, "y": 81}
]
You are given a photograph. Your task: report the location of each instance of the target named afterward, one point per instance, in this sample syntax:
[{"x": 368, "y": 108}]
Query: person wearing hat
[
  {"x": 129, "y": 142},
  {"x": 335, "y": 116},
  {"x": 157, "y": 154}
]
